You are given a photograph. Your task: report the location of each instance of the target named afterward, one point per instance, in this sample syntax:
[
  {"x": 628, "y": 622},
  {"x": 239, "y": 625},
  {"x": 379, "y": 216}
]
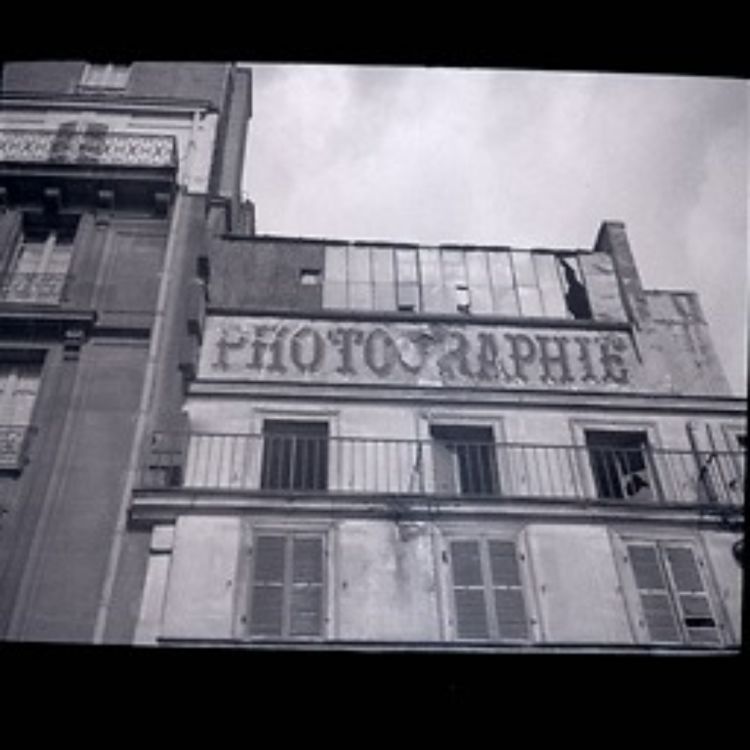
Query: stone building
[{"x": 211, "y": 436}]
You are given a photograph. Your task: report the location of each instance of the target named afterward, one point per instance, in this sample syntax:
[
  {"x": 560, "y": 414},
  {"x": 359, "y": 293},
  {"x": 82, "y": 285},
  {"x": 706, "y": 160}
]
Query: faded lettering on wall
[{"x": 423, "y": 354}]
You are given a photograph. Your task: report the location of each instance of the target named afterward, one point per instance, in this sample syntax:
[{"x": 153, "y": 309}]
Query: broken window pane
[
  {"x": 620, "y": 462},
  {"x": 576, "y": 296}
]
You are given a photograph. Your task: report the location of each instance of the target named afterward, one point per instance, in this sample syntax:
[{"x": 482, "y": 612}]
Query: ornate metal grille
[{"x": 104, "y": 148}]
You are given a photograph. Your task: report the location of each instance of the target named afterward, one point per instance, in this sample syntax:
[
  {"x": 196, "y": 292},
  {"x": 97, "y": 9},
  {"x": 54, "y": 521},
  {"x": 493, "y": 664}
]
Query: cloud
[{"x": 508, "y": 157}]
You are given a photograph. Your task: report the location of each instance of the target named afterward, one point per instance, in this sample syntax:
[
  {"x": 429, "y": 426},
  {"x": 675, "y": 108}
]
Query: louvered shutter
[
  {"x": 510, "y": 608},
  {"x": 267, "y": 596},
  {"x": 654, "y": 593},
  {"x": 468, "y": 590},
  {"x": 306, "y": 607},
  {"x": 692, "y": 597}
]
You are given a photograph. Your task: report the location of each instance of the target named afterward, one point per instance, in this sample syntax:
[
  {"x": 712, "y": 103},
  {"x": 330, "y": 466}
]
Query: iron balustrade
[
  {"x": 44, "y": 287},
  {"x": 105, "y": 148},
  {"x": 13, "y": 442},
  {"x": 314, "y": 465}
]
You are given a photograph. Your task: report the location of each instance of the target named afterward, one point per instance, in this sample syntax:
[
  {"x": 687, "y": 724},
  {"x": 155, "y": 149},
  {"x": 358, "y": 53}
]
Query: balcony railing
[
  {"x": 13, "y": 442},
  {"x": 41, "y": 288},
  {"x": 305, "y": 465},
  {"x": 107, "y": 149}
]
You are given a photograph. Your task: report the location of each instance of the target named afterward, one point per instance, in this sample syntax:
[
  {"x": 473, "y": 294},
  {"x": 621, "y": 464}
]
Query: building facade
[
  {"x": 214, "y": 437},
  {"x": 111, "y": 176}
]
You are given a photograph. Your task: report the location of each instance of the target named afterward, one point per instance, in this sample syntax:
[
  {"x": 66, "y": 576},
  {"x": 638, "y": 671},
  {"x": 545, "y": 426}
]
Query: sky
[{"x": 521, "y": 158}]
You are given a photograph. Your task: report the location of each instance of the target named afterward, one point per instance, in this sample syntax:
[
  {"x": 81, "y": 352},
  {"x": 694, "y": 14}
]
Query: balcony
[
  {"x": 13, "y": 442},
  {"x": 485, "y": 472},
  {"x": 128, "y": 171},
  {"x": 34, "y": 288},
  {"x": 105, "y": 149}
]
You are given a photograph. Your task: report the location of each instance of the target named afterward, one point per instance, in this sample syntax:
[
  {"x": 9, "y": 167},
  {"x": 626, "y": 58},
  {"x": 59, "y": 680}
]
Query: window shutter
[
  {"x": 306, "y": 613},
  {"x": 692, "y": 597},
  {"x": 510, "y": 608},
  {"x": 267, "y": 598},
  {"x": 468, "y": 590},
  {"x": 654, "y": 593}
]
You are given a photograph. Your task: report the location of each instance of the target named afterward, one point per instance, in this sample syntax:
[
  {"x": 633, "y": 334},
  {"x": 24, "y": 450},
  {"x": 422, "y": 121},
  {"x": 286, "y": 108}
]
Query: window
[
  {"x": 19, "y": 384},
  {"x": 622, "y": 464},
  {"x": 287, "y": 585},
  {"x": 576, "y": 296},
  {"x": 674, "y": 602},
  {"x": 40, "y": 262},
  {"x": 295, "y": 455},
  {"x": 310, "y": 277},
  {"x": 463, "y": 299},
  {"x": 107, "y": 76},
  {"x": 465, "y": 460},
  {"x": 488, "y": 596},
  {"x": 407, "y": 280}
]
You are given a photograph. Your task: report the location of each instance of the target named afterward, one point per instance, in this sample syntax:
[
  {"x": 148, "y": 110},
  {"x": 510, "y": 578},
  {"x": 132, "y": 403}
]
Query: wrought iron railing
[
  {"x": 104, "y": 148},
  {"x": 301, "y": 464},
  {"x": 44, "y": 288},
  {"x": 13, "y": 442}
]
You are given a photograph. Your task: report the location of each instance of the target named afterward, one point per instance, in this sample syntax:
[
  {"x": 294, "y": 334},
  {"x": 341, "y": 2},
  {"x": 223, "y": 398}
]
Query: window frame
[
  {"x": 56, "y": 236},
  {"x": 283, "y": 447},
  {"x": 662, "y": 539},
  {"x": 246, "y": 578},
  {"x": 446, "y": 418},
  {"x": 331, "y": 416},
  {"x": 112, "y": 75},
  {"x": 450, "y": 533},
  {"x": 732, "y": 433},
  {"x": 12, "y": 358},
  {"x": 579, "y": 428}
]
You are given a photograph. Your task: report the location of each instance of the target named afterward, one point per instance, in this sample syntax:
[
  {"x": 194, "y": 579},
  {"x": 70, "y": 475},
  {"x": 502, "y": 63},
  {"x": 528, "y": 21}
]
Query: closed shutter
[
  {"x": 654, "y": 593},
  {"x": 286, "y": 598},
  {"x": 468, "y": 590},
  {"x": 267, "y": 597},
  {"x": 692, "y": 598},
  {"x": 510, "y": 608},
  {"x": 488, "y": 590},
  {"x": 306, "y": 610}
]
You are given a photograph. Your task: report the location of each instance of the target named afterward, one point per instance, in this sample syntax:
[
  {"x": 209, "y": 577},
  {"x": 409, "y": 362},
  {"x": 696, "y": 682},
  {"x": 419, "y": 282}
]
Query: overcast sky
[{"x": 528, "y": 159}]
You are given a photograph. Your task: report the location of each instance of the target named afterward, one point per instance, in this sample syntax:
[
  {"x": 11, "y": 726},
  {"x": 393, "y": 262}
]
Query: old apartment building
[{"x": 210, "y": 436}]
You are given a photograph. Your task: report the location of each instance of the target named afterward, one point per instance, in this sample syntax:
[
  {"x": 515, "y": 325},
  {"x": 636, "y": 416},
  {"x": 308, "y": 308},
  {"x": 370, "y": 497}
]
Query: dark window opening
[
  {"x": 576, "y": 296},
  {"x": 295, "y": 455},
  {"x": 621, "y": 464},
  {"x": 37, "y": 227},
  {"x": 465, "y": 460},
  {"x": 742, "y": 441}
]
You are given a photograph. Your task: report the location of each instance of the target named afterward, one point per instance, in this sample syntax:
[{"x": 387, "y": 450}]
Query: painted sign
[{"x": 421, "y": 354}]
